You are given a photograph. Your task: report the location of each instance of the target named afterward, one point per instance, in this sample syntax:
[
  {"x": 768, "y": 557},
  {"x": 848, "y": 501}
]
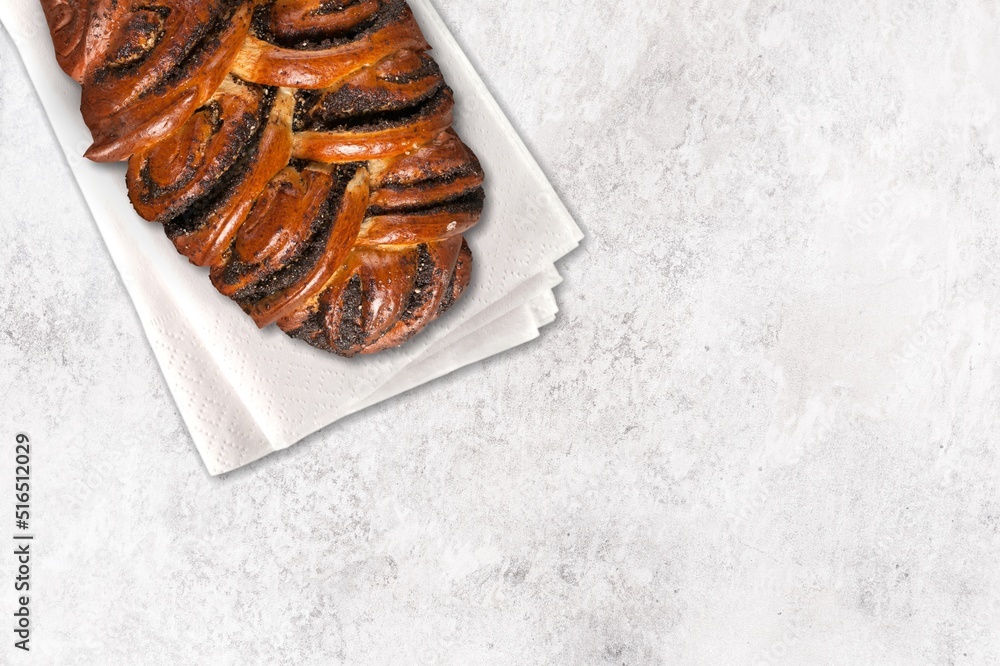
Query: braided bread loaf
[{"x": 301, "y": 149}]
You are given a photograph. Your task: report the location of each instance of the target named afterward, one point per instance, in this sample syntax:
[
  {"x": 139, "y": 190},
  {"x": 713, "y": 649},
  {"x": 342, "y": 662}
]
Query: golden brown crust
[
  {"x": 208, "y": 232},
  {"x": 361, "y": 145},
  {"x": 166, "y": 177},
  {"x": 300, "y": 149},
  {"x": 68, "y": 23},
  {"x": 273, "y": 64},
  {"x": 158, "y": 65}
]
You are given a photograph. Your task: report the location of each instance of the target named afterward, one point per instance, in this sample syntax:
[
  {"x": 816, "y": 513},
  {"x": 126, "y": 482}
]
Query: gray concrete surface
[{"x": 762, "y": 430}]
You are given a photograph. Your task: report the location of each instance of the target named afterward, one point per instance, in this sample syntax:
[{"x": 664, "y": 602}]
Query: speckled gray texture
[{"x": 763, "y": 429}]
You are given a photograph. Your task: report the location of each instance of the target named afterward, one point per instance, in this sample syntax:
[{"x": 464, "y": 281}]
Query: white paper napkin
[{"x": 244, "y": 392}]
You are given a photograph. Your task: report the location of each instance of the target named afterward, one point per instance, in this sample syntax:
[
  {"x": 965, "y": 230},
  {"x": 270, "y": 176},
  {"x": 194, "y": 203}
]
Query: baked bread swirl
[{"x": 300, "y": 149}]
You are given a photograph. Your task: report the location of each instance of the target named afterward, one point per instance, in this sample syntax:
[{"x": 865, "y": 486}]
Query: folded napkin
[{"x": 244, "y": 392}]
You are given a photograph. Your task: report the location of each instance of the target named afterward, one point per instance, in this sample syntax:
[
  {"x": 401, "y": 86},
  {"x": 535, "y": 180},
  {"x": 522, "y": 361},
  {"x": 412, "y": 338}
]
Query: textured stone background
[{"x": 763, "y": 429}]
